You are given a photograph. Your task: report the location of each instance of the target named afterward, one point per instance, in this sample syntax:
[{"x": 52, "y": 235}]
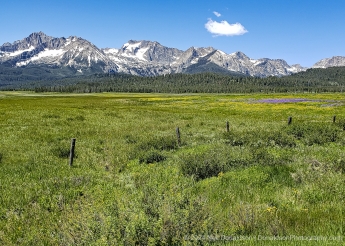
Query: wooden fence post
[
  {"x": 227, "y": 126},
  {"x": 290, "y": 120},
  {"x": 178, "y": 136},
  {"x": 71, "y": 153}
]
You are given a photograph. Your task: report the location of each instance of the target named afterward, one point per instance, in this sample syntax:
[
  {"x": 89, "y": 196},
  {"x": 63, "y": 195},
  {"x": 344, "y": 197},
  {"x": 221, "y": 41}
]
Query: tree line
[{"x": 313, "y": 80}]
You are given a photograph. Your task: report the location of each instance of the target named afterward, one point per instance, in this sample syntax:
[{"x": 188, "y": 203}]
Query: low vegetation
[{"x": 131, "y": 183}]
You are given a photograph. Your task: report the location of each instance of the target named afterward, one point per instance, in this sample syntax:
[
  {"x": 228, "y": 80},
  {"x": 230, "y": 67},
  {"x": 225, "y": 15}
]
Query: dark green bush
[
  {"x": 340, "y": 123},
  {"x": 308, "y": 133},
  {"x": 61, "y": 152},
  {"x": 298, "y": 131},
  {"x": 51, "y": 116},
  {"x": 202, "y": 165},
  {"x": 339, "y": 165},
  {"x": 159, "y": 143},
  {"x": 314, "y": 133},
  {"x": 262, "y": 156},
  {"x": 237, "y": 139},
  {"x": 209, "y": 162},
  {"x": 281, "y": 139},
  {"x": 257, "y": 139},
  {"x": 77, "y": 118},
  {"x": 130, "y": 139},
  {"x": 151, "y": 157},
  {"x": 148, "y": 150}
]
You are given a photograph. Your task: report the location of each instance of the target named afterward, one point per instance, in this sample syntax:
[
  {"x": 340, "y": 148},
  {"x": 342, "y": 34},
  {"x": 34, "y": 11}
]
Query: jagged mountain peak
[
  {"x": 37, "y": 38},
  {"x": 239, "y": 54},
  {"x": 335, "y": 61},
  {"x": 74, "y": 52},
  {"x": 192, "y": 51},
  {"x": 297, "y": 65},
  {"x": 38, "y": 34},
  {"x": 146, "y": 51},
  {"x": 136, "y": 44},
  {"x": 32, "y": 41},
  {"x": 144, "y": 42},
  {"x": 198, "y": 51},
  {"x": 139, "y": 57}
]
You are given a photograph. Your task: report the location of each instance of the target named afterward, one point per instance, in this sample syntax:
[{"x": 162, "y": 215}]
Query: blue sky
[{"x": 298, "y": 31}]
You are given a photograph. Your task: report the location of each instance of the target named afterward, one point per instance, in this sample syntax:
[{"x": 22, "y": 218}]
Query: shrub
[
  {"x": 341, "y": 124},
  {"x": 262, "y": 156},
  {"x": 51, "y": 116},
  {"x": 339, "y": 165},
  {"x": 311, "y": 134},
  {"x": 148, "y": 150},
  {"x": 210, "y": 161},
  {"x": 237, "y": 139},
  {"x": 258, "y": 139},
  {"x": 281, "y": 139},
  {"x": 61, "y": 152},
  {"x": 129, "y": 139},
  {"x": 202, "y": 165},
  {"x": 151, "y": 157},
  {"x": 159, "y": 143},
  {"x": 77, "y": 118}
]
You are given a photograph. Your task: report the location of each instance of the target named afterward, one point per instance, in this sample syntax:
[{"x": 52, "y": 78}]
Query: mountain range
[{"x": 50, "y": 57}]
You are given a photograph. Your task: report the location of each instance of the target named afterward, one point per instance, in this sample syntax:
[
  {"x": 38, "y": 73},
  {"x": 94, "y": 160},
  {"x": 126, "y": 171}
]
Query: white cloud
[
  {"x": 223, "y": 28},
  {"x": 217, "y": 14}
]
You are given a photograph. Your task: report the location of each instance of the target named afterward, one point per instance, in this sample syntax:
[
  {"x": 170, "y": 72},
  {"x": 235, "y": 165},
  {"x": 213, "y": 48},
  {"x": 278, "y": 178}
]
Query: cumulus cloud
[
  {"x": 217, "y": 14},
  {"x": 223, "y": 28}
]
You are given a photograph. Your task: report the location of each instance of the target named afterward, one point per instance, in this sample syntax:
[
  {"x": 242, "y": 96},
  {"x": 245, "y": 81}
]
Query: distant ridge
[
  {"x": 40, "y": 56},
  {"x": 335, "y": 61}
]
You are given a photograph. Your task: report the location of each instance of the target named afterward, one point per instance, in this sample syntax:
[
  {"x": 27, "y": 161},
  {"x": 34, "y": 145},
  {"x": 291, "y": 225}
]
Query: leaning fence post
[
  {"x": 178, "y": 136},
  {"x": 290, "y": 120},
  {"x": 227, "y": 126},
  {"x": 71, "y": 153},
  {"x": 334, "y": 117}
]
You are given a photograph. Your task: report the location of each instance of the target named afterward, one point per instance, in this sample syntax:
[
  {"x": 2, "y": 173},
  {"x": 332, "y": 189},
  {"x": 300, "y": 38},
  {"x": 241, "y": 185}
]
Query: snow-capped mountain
[
  {"x": 238, "y": 62},
  {"x": 144, "y": 58},
  {"x": 151, "y": 58},
  {"x": 335, "y": 61},
  {"x": 148, "y": 51},
  {"x": 39, "y": 48}
]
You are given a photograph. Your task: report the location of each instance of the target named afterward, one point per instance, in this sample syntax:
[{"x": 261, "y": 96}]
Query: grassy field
[{"x": 263, "y": 183}]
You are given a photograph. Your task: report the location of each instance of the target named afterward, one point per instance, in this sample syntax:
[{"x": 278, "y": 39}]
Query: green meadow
[{"x": 131, "y": 183}]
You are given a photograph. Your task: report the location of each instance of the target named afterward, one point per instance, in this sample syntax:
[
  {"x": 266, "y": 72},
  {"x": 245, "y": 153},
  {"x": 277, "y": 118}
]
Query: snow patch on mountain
[
  {"x": 222, "y": 53},
  {"x": 18, "y": 52},
  {"x": 48, "y": 53},
  {"x": 135, "y": 52},
  {"x": 111, "y": 51},
  {"x": 143, "y": 58}
]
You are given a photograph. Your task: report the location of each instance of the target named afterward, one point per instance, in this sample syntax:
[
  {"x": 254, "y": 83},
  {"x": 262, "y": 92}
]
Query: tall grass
[{"x": 131, "y": 184}]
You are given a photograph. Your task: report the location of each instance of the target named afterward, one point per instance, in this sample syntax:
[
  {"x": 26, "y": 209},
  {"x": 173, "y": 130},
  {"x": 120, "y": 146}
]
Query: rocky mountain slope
[
  {"x": 335, "y": 61},
  {"x": 39, "y": 48},
  {"x": 144, "y": 58}
]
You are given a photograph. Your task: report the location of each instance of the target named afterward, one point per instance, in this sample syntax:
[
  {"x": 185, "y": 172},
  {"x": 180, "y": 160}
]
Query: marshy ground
[{"x": 132, "y": 184}]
